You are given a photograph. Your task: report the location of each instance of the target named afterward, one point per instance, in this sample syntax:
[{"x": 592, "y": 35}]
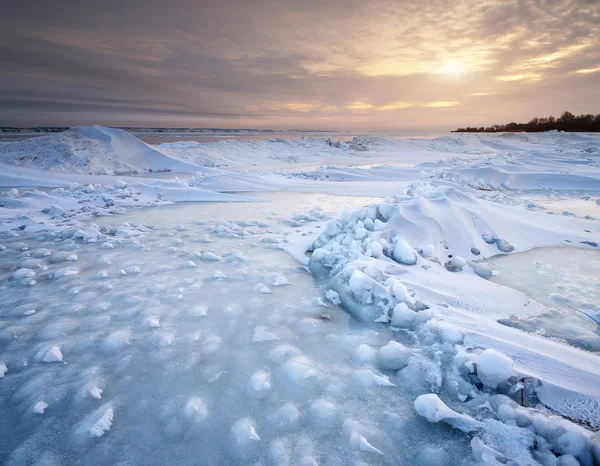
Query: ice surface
[{"x": 192, "y": 332}]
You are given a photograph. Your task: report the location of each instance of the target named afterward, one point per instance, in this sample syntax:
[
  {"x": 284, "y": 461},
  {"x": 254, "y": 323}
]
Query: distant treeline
[{"x": 566, "y": 122}]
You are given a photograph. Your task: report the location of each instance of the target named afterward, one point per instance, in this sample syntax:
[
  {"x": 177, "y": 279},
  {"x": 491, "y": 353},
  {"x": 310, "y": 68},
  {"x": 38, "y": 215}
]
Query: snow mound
[{"x": 93, "y": 150}]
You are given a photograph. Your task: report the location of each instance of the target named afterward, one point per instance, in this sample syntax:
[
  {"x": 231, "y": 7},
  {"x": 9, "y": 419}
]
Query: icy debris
[
  {"x": 40, "y": 407},
  {"x": 3, "y": 369},
  {"x": 358, "y": 442},
  {"x": 262, "y": 289},
  {"x": 210, "y": 257},
  {"x": 262, "y": 334},
  {"x": 366, "y": 378},
  {"x": 259, "y": 384},
  {"x": 243, "y": 435},
  {"x": 195, "y": 410},
  {"x": 275, "y": 279},
  {"x": 190, "y": 265},
  {"x": 494, "y": 367},
  {"x": 52, "y": 354},
  {"x": 96, "y": 392},
  {"x": 435, "y": 410},
  {"x": 95, "y": 424},
  {"x": 485, "y": 454},
  {"x": 218, "y": 275}
]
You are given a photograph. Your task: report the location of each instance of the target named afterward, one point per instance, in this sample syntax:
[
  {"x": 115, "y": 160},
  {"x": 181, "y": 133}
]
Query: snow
[{"x": 320, "y": 328}]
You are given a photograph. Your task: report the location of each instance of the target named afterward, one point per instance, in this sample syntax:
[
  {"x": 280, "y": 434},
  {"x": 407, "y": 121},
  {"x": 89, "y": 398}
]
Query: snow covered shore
[{"x": 201, "y": 332}]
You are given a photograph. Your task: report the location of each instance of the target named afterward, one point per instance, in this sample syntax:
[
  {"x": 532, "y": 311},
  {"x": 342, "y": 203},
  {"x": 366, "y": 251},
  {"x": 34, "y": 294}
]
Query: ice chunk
[
  {"x": 402, "y": 316},
  {"x": 485, "y": 454},
  {"x": 195, "y": 410},
  {"x": 435, "y": 410},
  {"x": 483, "y": 270},
  {"x": 51, "y": 355},
  {"x": 363, "y": 354},
  {"x": 494, "y": 367},
  {"x": 333, "y": 296},
  {"x": 403, "y": 253},
  {"x": 276, "y": 279},
  {"x": 262, "y": 334},
  {"x": 3, "y": 369},
  {"x": 393, "y": 356},
  {"x": 259, "y": 384},
  {"x": 261, "y": 288},
  {"x": 358, "y": 442},
  {"x": 40, "y": 407}
]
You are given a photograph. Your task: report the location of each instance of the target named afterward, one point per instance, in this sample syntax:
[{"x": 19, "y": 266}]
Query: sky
[{"x": 382, "y": 65}]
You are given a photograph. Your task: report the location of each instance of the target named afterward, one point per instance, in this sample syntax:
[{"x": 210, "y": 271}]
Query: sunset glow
[{"x": 388, "y": 64}]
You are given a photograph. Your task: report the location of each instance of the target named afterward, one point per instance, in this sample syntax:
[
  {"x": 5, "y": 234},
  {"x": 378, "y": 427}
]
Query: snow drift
[{"x": 93, "y": 150}]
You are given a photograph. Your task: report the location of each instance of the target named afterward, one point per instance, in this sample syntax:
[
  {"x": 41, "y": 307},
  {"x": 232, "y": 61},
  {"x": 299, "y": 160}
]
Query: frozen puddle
[{"x": 567, "y": 281}]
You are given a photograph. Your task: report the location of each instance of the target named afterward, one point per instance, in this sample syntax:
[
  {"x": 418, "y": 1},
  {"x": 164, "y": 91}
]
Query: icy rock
[
  {"x": 488, "y": 238},
  {"x": 504, "y": 245},
  {"x": 483, "y": 270},
  {"x": 218, "y": 275},
  {"x": 262, "y": 334},
  {"x": 393, "y": 356},
  {"x": 259, "y": 384},
  {"x": 190, "y": 265},
  {"x": 458, "y": 262},
  {"x": 435, "y": 410},
  {"x": 106, "y": 245},
  {"x": 494, "y": 367},
  {"x": 402, "y": 316},
  {"x": 298, "y": 370},
  {"x": 3, "y": 369},
  {"x": 403, "y": 253},
  {"x": 40, "y": 407}
]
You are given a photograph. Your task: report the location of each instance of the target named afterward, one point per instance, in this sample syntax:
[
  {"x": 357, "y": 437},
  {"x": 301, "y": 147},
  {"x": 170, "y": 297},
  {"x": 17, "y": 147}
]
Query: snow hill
[{"x": 91, "y": 149}]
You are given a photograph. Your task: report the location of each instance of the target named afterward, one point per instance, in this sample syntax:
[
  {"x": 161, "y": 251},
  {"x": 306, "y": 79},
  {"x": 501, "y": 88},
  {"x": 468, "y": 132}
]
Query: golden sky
[{"x": 354, "y": 65}]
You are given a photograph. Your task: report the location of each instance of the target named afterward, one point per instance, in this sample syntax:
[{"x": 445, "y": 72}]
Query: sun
[{"x": 452, "y": 68}]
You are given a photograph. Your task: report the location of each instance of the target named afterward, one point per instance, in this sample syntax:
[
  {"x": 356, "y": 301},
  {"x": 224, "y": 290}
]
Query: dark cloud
[{"x": 267, "y": 63}]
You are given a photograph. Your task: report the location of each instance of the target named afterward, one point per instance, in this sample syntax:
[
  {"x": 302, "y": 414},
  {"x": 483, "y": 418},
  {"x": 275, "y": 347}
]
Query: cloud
[
  {"x": 441, "y": 103},
  {"x": 281, "y": 63}
]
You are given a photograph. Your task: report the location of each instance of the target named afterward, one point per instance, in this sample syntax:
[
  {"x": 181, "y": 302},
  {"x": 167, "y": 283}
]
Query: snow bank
[{"x": 92, "y": 150}]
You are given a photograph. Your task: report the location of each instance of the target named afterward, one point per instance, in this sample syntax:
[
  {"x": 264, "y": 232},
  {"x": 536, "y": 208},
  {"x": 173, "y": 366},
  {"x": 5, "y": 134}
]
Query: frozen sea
[{"x": 315, "y": 300}]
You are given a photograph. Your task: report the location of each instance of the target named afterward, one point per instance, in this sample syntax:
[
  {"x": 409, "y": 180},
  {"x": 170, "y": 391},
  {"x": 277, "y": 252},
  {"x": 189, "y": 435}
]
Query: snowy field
[{"x": 318, "y": 300}]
